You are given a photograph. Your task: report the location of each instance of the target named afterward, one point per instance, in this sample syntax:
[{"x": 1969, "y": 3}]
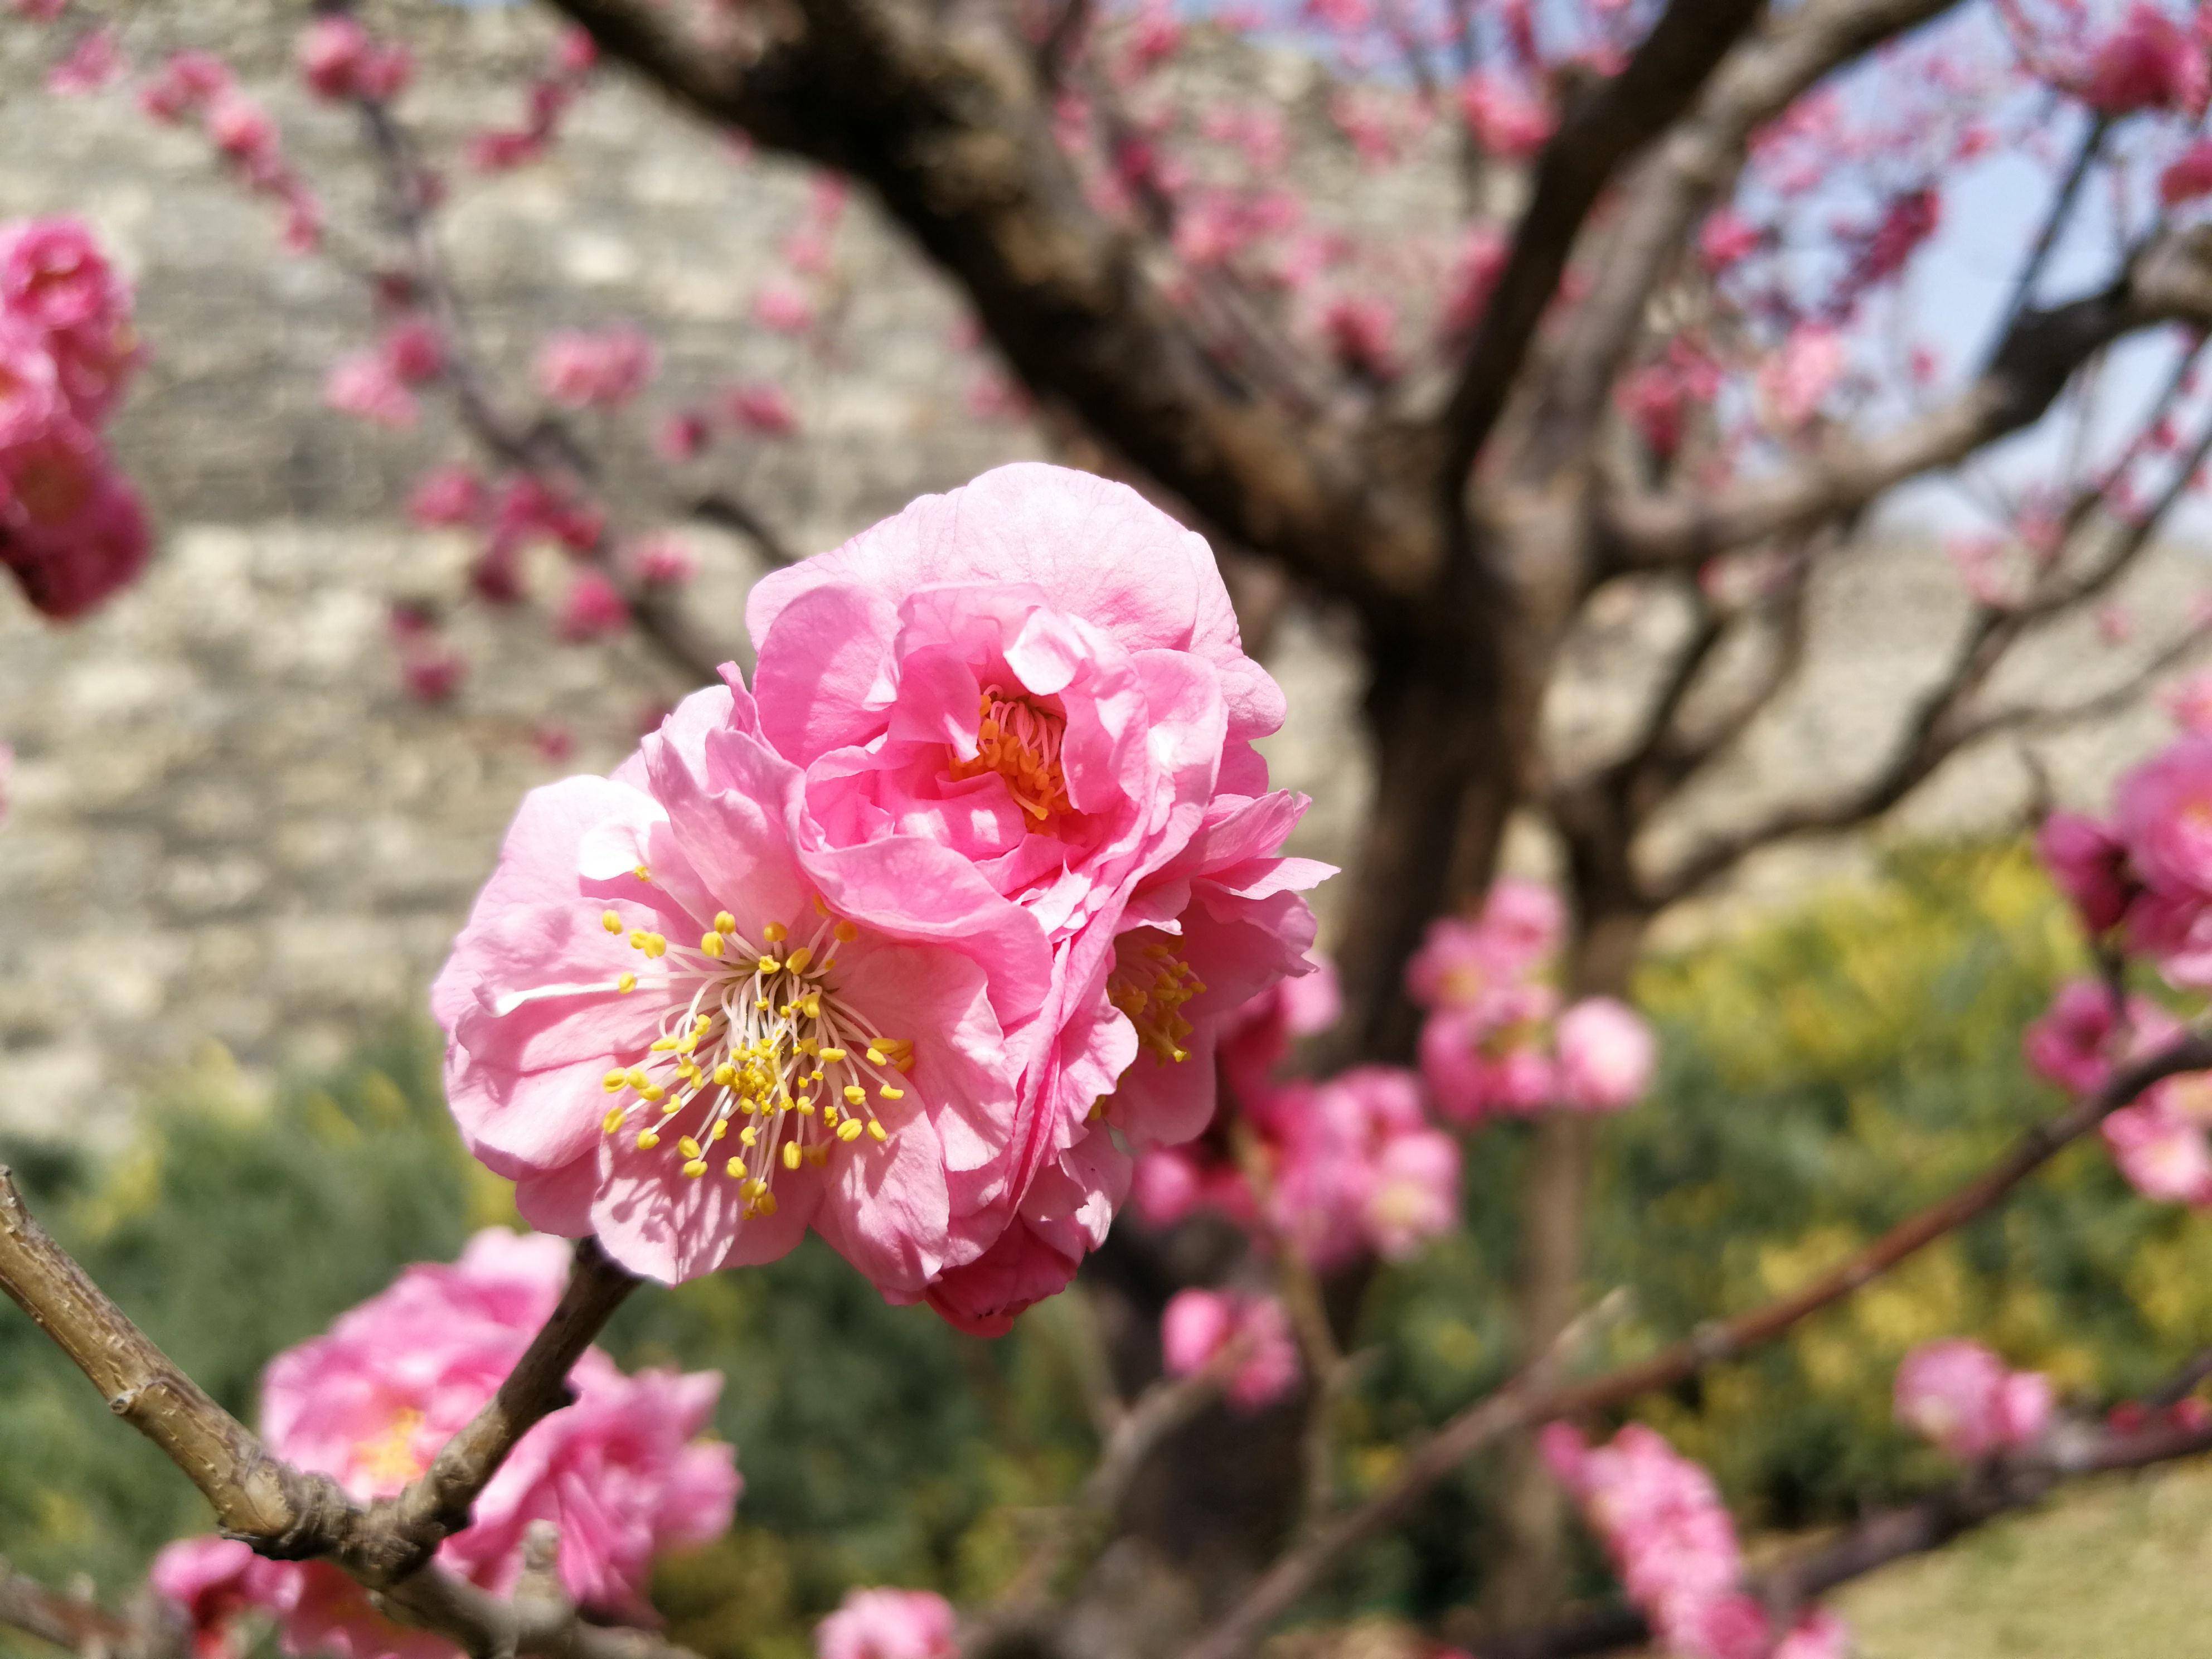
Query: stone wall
[{"x": 228, "y": 824}]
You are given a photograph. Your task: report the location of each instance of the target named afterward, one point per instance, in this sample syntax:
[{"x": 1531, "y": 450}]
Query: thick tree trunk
[{"x": 1447, "y": 774}]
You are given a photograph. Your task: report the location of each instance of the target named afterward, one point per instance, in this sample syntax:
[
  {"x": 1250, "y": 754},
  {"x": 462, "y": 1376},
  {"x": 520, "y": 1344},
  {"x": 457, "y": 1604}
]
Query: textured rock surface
[{"x": 229, "y": 826}]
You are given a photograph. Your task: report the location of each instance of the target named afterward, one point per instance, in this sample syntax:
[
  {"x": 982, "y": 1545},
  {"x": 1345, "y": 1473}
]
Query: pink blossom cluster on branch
[
  {"x": 1674, "y": 1547},
  {"x": 1352, "y": 1165},
  {"x": 1198, "y": 1325},
  {"x": 888, "y": 1624},
  {"x": 913, "y": 942},
  {"x": 2141, "y": 885},
  {"x": 1960, "y": 1397},
  {"x": 622, "y": 1471},
  {"x": 200, "y": 86},
  {"x": 72, "y": 530},
  {"x": 1496, "y": 1042}
]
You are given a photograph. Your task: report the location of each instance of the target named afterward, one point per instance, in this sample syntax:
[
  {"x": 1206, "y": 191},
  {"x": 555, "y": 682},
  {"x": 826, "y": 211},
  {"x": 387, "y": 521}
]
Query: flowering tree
[{"x": 966, "y": 919}]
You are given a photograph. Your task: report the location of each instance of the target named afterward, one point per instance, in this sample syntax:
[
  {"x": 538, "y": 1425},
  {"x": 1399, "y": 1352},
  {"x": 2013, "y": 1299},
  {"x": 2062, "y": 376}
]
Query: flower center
[
  {"x": 1020, "y": 742},
  {"x": 387, "y": 1461},
  {"x": 1151, "y": 988},
  {"x": 756, "y": 1049}
]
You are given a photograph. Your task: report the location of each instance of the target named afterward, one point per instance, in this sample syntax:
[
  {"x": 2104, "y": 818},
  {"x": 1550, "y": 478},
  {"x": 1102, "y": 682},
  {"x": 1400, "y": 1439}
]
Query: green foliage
[{"x": 1825, "y": 1074}]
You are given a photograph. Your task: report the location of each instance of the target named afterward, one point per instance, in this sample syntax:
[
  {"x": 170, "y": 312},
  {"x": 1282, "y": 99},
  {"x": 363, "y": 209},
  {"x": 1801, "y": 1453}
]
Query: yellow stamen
[{"x": 610, "y": 921}]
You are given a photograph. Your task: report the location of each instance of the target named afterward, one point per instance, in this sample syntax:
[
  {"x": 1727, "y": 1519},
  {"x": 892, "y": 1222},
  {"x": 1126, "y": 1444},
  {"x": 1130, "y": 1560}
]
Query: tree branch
[
  {"x": 79, "y": 1625},
  {"x": 2169, "y": 281},
  {"x": 1700, "y": 160},
  {"x": 288, "y": 1514},
  {"x": 952, "y": 129},
  {"x": 1531, "y": 1399},
  {"x": 544, "y": 449},
  {"x": 437, "y": 1502},
  {"x": 1593, "y": 143},
  {"x": 1981, "y": 1495}
]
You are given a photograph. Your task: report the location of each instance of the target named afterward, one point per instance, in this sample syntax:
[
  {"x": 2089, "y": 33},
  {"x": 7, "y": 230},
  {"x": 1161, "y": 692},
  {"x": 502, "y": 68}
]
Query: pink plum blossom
[
  {"x": 2161, "y": 1150},
  {"x": 1462, "y": 962},
  {"x": 72, "y": 530},
  {"x": 1797, "y": 379},
  {"x": 888, "y": 1624},
  {"x": 94, "y": 62},
  {"x": 2148, "y": 61},
  {"x": 331, "y": 52},
  {"x": 1041, "y": 674},
  {"x": 620, "y": 1471},
  {"x": 1726, "y": 238},
  {"x": 363, "y": 384},
  {"x": 448, "y": 496},
  {"x": 762, "y": 409},
  {"x": 681, "y": 1019},
  {"x": 2189, "y": 702},
  {"x": 664, "y": 560},
  {"x": 1607, "y": 1055},
  {"x": 1505, "y": 120},
  {"x": 2162, "y": 813},
  {"x": 1355, "y": 1167},
  {"x": 591, "y": 609},
  {"x": 784, "y": 307},
  {"x": 603, "y": 370},
  {"x": 1960, "y": 1395},
  {"x": 2088, "y": 862},
  {"x": 1475, "y": 269},
  {"x": 1491, "y": 1057},
  {"x": 1674, "y": 1547},
  {"x": 184, "y": 85},
  {"x": 1196, "y": 1325},
  {"x": 2188, "y": 176},
  {"x": 1361, "y": 330}
]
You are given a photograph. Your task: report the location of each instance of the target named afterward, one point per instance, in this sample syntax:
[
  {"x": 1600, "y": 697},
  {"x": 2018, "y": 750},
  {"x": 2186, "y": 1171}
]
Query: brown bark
[{"x": 1555, "y": 1216}]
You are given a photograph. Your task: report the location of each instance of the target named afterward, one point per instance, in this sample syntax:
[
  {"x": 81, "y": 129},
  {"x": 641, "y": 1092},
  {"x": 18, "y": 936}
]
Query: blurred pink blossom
[
  {"x": 1960, "y": 1395},
  {"x": 888, "y": 1624},
  {"x": 1196, "y": 1325}
]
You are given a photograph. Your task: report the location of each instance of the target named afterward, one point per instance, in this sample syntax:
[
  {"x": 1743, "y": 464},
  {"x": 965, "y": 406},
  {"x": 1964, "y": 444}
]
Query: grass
[{"x": 2121, "y": 1568}]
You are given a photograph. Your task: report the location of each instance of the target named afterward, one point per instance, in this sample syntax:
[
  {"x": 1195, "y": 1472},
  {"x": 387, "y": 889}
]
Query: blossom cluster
[
  {"x": 2141, "y": 885},
  {"x": 1674, "y": 1547},
  {"x": 620, "y": 1473},
  {"x": 888, "y": 1624},
  {"x": 1960, "y": 1397},
  {"x": 1496, "y": 1042},
  {"x": 72, "y": 530},
  {"x": 1198, "y": 1325},
  {"x": 916, "y": 940},
  {"x": 1352, "y": 1166},
  {"x": 199, "y": 86}
]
